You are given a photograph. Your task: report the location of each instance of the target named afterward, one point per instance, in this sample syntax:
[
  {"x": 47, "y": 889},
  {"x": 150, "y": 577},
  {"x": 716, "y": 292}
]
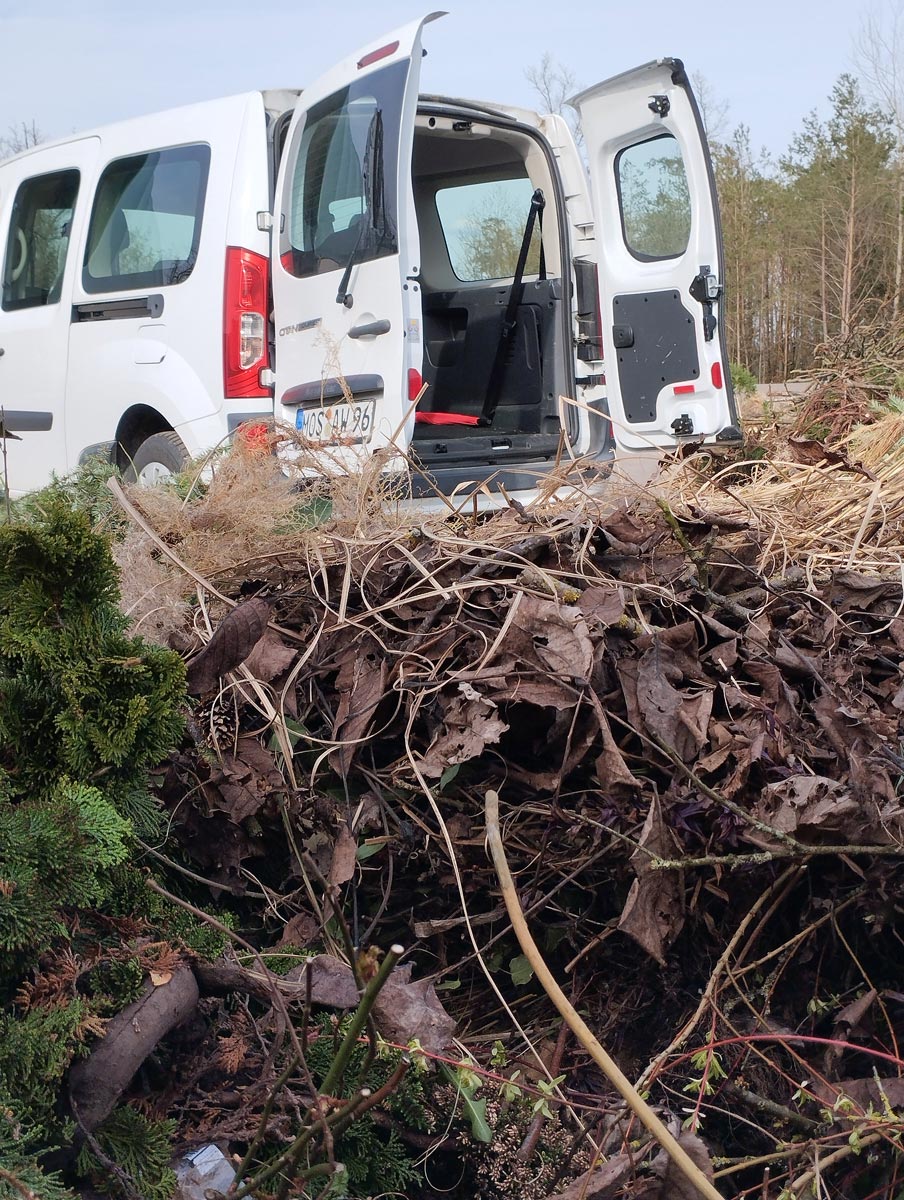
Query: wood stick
[{"x": 581, "y": 1031}]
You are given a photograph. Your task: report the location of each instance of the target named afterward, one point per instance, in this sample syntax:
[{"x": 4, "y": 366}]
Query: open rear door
[
  {"x": 660, "y": 259},
  {"x": 346, "y": 250}
]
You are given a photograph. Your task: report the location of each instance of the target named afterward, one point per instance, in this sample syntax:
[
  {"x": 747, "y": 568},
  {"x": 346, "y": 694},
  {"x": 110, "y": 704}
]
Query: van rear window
[
  {"x": 483, "y": 222},
  {"x": 38, "y": 240},
  {"x": 146, "y": 221},
  {"x": 654, "y": 198},
  {"x": 341, "y": 195}
]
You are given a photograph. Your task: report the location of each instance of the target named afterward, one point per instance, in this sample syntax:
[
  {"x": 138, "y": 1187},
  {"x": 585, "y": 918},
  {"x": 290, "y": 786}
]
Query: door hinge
[
  {"x": 266, "y": 378},
  {"x": 265, "y": 221}
]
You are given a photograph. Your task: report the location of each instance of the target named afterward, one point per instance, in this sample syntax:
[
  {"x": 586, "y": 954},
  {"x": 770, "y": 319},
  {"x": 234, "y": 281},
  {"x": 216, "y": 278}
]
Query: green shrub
[
  {"x": 85, "y": 712},
  {"x": 743, "y": 379}
]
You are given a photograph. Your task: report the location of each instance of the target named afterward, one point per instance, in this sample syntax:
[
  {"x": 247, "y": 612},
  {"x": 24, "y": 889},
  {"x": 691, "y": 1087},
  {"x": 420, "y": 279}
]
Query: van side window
[
  {"x": 343, "y": 183},
  {"x": 146, "y": 221},
  {"x": 483, "y": 223},
  {"x": 38, "y": 240},
  {"x": 654, "y": 198}
]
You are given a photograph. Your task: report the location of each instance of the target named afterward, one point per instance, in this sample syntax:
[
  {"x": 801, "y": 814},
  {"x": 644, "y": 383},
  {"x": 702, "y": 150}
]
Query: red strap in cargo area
[{"x": 441, "y": 418}]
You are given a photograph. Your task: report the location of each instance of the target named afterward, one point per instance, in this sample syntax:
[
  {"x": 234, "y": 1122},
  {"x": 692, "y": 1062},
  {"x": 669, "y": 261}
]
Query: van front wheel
[{"x": 158, "y": 458}]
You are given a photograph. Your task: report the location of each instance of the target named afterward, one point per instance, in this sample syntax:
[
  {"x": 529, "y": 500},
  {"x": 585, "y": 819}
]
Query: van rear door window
[
  {"x": 146, "y": 221},
  {"x": 38, "y": 240},
  {"x": 654, "y": 198},
  {"x": 342, "y": 199}
]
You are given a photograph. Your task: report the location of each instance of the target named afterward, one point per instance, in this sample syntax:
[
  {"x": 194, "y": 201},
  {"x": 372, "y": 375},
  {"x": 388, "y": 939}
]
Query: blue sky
[{"x": 71, "y": 65}]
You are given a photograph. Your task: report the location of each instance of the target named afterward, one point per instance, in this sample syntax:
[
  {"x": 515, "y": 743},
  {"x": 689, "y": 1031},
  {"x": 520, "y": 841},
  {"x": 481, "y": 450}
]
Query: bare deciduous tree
[
  {"x": 554, "y": 83},
  {"x": 21, "y": 136},
  {"x": 713, "y": 111}
]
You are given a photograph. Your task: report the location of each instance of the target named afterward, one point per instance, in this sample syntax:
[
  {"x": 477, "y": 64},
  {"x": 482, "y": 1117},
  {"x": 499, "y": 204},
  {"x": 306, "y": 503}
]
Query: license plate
[{"x": 344, "y": 422}]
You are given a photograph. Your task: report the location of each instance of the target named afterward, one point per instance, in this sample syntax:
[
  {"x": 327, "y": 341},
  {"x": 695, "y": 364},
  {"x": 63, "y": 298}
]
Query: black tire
[{"x": 159, "y": 457}]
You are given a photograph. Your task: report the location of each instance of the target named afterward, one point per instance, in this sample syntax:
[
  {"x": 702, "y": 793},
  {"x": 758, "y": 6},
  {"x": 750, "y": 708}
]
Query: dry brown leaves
[{"x": 631, "y": 701}]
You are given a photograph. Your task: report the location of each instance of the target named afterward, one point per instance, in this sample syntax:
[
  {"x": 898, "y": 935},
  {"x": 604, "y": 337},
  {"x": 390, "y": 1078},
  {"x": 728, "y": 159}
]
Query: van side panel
[{"x": 168, "y": 360}]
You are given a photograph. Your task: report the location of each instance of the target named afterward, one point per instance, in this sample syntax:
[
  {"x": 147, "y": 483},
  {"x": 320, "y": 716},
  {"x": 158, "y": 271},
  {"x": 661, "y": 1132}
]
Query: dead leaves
[
  {"x": 678, "y": 716},
  {"x": 361, "y": 684},
  {"x": 554, "y": 636},
  {"x": 405, "y": 1008},
  {"x": 470, "y": 723},
  {"x": 232, "y": 641},
  {"x": 342, "y": 864},
  {"x": 654, "y": 911},
  {"x": 246, "y": 780}
]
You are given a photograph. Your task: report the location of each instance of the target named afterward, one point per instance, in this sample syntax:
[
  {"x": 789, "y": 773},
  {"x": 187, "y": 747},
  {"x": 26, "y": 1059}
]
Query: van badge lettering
[{"x": 300, "y": 326}]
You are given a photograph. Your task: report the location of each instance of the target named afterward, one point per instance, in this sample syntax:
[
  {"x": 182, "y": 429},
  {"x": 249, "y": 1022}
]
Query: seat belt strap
[{"x": 510, "y": 316}]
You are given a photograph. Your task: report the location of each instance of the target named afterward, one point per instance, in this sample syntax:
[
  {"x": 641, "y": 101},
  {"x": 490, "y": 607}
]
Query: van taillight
[{"x": 245, "y": 346}]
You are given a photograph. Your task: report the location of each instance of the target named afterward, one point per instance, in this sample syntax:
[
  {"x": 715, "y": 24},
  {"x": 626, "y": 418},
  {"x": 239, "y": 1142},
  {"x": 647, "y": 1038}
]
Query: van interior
[{"x": 493, "y": 361}]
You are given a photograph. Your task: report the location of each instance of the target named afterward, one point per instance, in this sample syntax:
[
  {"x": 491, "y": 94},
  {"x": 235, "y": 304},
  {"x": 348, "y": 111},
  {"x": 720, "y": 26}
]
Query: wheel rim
[{"x": 153, "y": 473}]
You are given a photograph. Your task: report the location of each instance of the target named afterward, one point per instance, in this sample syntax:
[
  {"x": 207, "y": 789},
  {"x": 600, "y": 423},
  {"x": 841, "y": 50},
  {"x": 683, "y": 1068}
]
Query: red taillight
[
  {"x": 716, "y": 374},
  {"x": 376, "y": 55},
  {"x": 415, "y": 383},
  {"x": 245, "y": 341}
]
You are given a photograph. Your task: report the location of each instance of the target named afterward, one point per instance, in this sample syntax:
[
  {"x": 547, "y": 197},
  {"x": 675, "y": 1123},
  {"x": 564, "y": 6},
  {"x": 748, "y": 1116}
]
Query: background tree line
[{"x": 813, "y": 242}]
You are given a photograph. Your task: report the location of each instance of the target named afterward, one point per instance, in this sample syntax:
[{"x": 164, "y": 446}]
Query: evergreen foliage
[
  {"x": 140, "y": 1147},
  {"x": 54, "y": 853},
  {"x": 36, "y": 1049},
  {"x": 17, "y": 1158},
  {"x": 376, "y": 1162},
  {"x": 78, "y": 697},
  {"x": 85, "y": 711}
]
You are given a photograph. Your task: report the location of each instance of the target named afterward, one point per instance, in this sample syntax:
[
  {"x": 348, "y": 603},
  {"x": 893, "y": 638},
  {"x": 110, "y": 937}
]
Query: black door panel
[{"x": 661, "y": 350}]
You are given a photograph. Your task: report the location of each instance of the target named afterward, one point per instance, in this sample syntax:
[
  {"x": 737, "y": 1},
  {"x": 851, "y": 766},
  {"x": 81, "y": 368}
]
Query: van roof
[
  {"x": 275, "y": 101},
  {"x": 224, "y": 107}
]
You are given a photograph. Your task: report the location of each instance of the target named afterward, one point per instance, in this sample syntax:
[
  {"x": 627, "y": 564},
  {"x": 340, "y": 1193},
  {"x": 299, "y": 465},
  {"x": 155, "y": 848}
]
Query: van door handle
[{"x": 370, "y": 329}]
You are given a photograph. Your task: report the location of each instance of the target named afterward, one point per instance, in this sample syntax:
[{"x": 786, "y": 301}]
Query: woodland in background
[{"x": 813, "y": 244}]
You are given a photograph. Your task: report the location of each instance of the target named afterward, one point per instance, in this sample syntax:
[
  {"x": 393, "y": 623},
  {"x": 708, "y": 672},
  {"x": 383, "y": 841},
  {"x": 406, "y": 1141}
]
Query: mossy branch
[{"x": 697, "y": 557}]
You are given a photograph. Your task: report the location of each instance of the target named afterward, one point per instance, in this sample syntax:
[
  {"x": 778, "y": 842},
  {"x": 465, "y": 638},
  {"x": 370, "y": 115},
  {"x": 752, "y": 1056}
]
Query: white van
[{"x": 328, "y": 257}]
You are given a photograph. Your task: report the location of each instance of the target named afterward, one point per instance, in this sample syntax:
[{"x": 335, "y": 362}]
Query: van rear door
[
  {"x": 659, "y": 242},
  {"x": 346, "y": 300}
]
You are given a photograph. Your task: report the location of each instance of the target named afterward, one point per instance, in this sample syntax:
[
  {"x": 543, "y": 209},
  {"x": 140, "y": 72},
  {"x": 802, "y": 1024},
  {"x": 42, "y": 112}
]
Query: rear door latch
[{"x": 706, "y": 290}]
